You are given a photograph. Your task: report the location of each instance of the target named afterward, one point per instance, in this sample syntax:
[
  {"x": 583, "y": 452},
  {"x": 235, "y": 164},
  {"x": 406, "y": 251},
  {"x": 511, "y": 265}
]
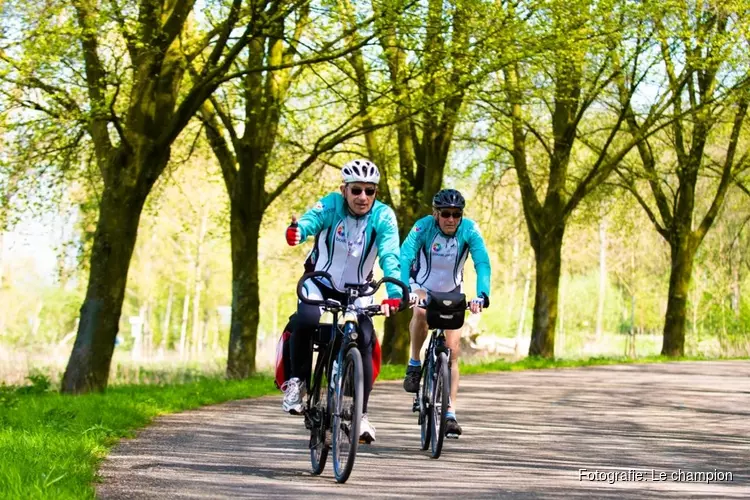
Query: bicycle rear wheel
[
  {"x": 347, "y": 415},
  {"x": 439, "y": 404},
  {"x": 425, "y": 415},
  {"x": 318, "y": 417}
]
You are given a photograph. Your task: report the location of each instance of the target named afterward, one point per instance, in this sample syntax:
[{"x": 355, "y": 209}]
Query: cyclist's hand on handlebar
[
  {"x": 476, "y": 305},
  {"x": 293, "y": 235},
  {"x": 389, "y": 305}
]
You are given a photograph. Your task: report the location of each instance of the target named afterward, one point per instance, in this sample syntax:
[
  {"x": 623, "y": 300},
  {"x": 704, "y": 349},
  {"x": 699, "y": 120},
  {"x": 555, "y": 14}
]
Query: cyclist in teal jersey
[
  {"x": 351, "y": 230},
  {"x": 432, "y": 259}
]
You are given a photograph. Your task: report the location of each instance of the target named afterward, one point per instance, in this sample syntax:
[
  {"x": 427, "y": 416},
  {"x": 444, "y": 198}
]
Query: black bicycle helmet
[{"x": 448, "y": 198}]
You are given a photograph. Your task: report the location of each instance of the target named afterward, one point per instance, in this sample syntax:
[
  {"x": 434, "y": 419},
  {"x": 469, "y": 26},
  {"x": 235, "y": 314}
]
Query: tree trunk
[
  {"x": 683, "y": 254},
  {"x": 602, "y": 277},
  {"x": 735, "y": 262},
  {"x": 515, "y": 268},
  {"x": 396, "y": 338},
  {"x": 243, "y": 332},
  {"x": 560, "y": 340},
  {"x": 197, "y": 347},
  {"x": 185, "y": 316},
  {"x": 114, "y": 240},
  {"x": 148, "y": 331},
  {"x": 36, "y": 320},
  {"x": 166, "y": 323},
  {"x": 547, "y": 250},
  {"x": 524, "y": 305}
]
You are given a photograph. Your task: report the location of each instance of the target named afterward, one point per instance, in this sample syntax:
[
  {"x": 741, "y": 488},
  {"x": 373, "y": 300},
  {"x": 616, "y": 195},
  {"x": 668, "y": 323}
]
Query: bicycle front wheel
[
  {"x": 439, "y": 403},
  {"x": 318, "y": 416},
  {"x": 424, "y": 395},
  {"x": 350, "y": 391}
]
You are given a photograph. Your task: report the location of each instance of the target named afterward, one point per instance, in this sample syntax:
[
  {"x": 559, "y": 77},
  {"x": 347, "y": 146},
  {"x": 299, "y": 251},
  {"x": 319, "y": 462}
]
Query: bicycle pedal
[{"x": 452, "y": 436}]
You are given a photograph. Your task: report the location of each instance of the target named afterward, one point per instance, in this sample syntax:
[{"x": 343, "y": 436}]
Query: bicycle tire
[
  {"x": 318, "y": 403},
  {"x": 439, "y": 404},
  {"x": 346, "y": 437},
  {"x": 425, "y": 421}
]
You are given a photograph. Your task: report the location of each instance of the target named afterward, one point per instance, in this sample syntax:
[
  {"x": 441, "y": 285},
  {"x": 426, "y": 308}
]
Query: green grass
[
  {"x": 395, "y": 372},
  {"x": 51, "y": 444}
]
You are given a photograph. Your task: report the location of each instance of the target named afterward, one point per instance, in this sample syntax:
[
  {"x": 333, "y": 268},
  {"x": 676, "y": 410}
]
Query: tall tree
[
  {"x": 573, "y": 80},
  {"x": 703, "y": 50},
  {"x": 274, "y": 60},
  {"x": 440, "y": 52},
  {"x": 136, "y": 103}
]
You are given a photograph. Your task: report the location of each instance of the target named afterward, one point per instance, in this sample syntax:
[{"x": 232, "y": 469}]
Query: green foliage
[
  {"x": 47, "y": 166},
  {"x": 37, "y": 315}
]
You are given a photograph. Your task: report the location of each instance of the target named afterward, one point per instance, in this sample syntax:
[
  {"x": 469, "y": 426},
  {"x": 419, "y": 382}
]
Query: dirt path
[{"x": 526, "y": 435}]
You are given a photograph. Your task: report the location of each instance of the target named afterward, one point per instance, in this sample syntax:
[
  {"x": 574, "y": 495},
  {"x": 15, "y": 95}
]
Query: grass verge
[
  {"x": 473, "y": 367},
  {"x": 51, "y": 444}
]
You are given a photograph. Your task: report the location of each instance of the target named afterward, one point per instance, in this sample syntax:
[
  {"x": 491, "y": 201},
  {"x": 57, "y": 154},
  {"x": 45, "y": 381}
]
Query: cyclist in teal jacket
[
  {"x": 432, "y": 259},
  {"x": 351, "y": 230}
]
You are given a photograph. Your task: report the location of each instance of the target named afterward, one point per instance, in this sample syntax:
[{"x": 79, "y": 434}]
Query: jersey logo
[
  {"x": 436, "y": 247},
  {"x": 340, "y": 231},
  {"x": 319, "y": 206},
  {"x": 417, "y": 229}
]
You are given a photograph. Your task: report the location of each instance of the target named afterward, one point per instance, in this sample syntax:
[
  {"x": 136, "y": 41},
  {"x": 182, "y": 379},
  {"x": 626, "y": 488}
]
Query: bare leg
[
  {"x": 417, "y": 331},
  {"x": 418, "y": 327},
  {"x": 453, "y": 341}
]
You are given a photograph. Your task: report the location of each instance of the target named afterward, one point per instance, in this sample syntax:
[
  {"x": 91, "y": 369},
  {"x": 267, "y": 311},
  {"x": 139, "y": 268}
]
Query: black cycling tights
[{"x": 304, "y": 324}]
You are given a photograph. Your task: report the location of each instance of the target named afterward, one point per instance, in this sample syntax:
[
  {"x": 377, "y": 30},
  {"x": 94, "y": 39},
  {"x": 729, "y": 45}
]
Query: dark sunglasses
[
  {"x": 447, "y": 214},
  {"x": 356, "y": 191}
]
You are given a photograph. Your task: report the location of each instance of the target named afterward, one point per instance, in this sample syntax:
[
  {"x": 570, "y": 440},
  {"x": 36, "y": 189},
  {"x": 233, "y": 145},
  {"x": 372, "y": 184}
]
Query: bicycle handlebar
[
  {"x": 362, "y": 291},
  {"x": 422, "y": 303}
]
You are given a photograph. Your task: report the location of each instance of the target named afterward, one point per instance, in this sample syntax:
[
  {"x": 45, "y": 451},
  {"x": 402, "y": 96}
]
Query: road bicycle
[
  {"x": 333, "y": 407},
  {"x": 444, "y": 311}
]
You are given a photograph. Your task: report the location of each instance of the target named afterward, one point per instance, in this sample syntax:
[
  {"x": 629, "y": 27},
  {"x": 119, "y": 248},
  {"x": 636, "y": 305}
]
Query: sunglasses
[
  {"x": 447, "y": 214},
  {"x": 356, "y": 191}
]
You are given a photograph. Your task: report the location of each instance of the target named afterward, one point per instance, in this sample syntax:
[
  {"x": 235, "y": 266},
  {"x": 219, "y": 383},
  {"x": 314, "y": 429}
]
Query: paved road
[{"x": 526, "y": 435}]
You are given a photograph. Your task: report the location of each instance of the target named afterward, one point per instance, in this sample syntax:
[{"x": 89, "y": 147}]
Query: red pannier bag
[{"x": 284, "y": 361}]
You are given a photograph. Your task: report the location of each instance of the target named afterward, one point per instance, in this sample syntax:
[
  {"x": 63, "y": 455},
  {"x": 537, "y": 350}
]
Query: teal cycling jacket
[
  {"x": 346, "y": 246},
  {"x": 435, "y": 261}
]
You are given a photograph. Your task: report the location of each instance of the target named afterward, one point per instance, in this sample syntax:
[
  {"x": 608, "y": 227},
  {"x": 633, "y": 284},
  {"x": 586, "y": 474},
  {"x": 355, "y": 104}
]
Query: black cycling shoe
[
  {"x": 452, "y": 429},
  {"x": 411, "y": 381}
]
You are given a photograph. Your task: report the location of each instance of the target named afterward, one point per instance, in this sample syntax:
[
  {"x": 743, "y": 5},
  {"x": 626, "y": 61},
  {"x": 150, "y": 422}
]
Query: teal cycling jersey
[
  {"x": 435, "y": 261},
  {"x": 346, "y": 246}
]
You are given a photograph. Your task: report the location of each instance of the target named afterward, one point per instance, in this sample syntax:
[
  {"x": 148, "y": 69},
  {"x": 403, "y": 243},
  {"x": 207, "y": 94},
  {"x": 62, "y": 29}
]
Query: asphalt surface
[{"x": 639, "y": 431}]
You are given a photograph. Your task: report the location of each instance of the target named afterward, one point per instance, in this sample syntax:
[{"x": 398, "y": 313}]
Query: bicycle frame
[
  {"x": 346, "y": 339},
  {"x": 345, "y": 381},
  {"x": 435, "y": 346}
]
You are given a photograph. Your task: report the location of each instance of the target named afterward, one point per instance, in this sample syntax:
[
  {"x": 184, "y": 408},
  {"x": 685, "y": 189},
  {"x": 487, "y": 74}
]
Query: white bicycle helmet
[{"x": 360, "y": 171}]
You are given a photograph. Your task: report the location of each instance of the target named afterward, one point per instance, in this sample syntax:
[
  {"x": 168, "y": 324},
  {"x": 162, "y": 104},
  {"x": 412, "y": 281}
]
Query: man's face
[
  {"x": 359, "y": 196},
  {"x": 448, "y": 219}
]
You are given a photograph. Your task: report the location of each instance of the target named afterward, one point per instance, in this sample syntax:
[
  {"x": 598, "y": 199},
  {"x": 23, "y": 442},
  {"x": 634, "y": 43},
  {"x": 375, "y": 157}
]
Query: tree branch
[
  {"x": 634, "y": 191},
  {"x": 727, "y": 172},
  {"x": 96, "y": 86},
  {"x": 219, "y": 145}
]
